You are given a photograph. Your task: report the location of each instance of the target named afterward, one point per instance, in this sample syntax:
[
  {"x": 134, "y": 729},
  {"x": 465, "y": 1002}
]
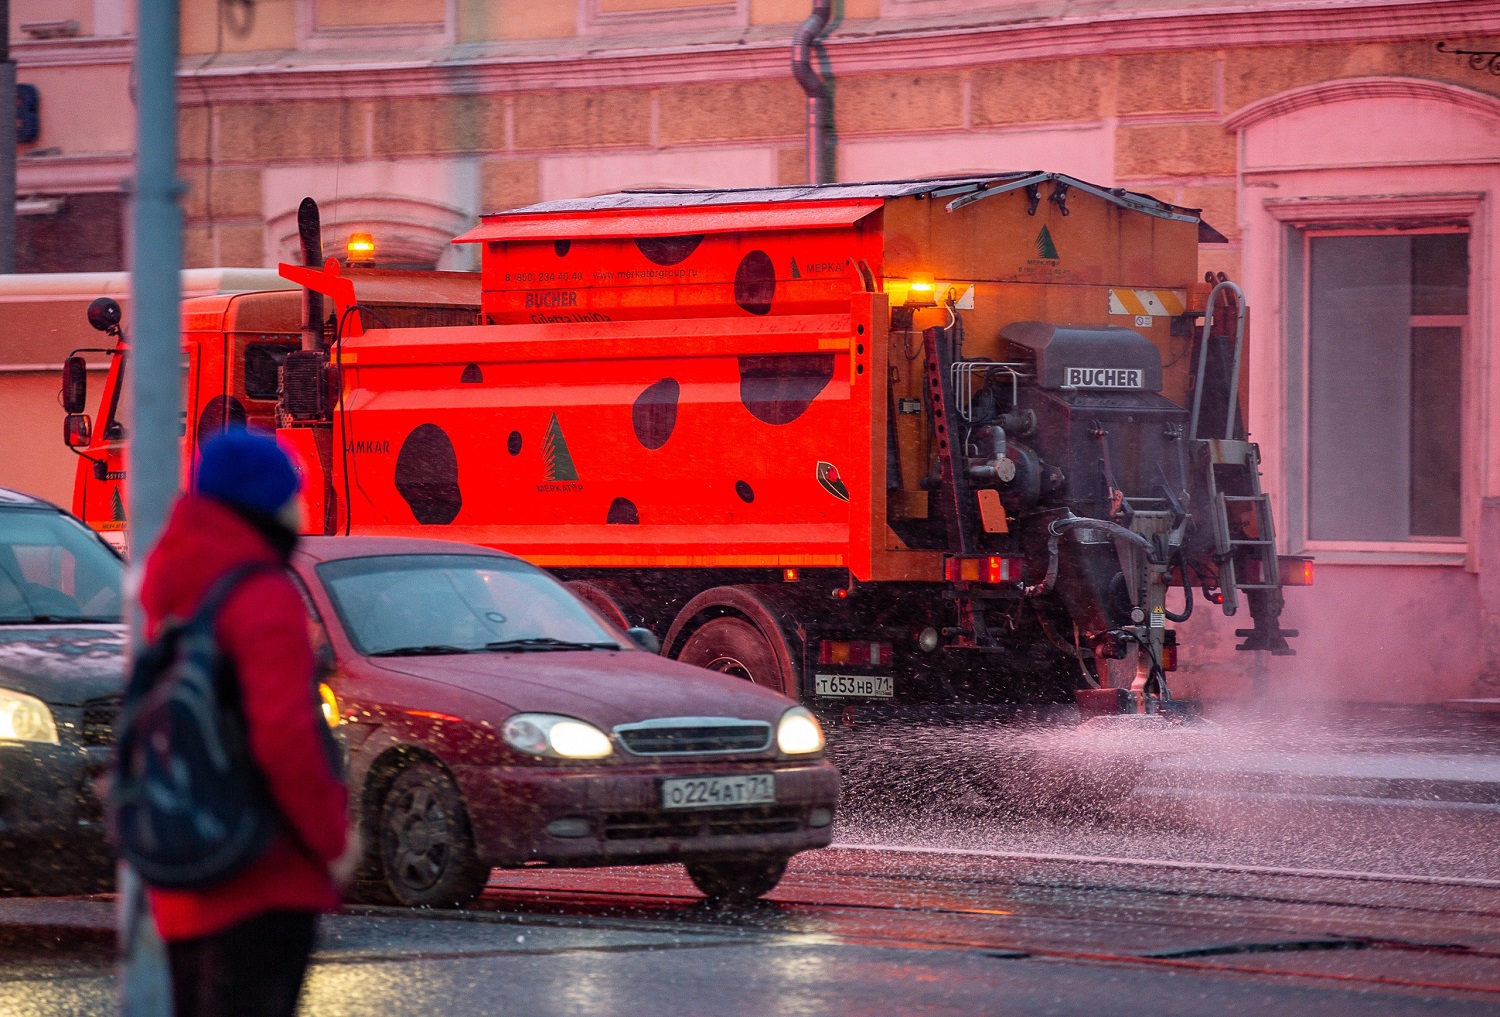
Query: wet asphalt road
[{"x": 1291, "y": 870}]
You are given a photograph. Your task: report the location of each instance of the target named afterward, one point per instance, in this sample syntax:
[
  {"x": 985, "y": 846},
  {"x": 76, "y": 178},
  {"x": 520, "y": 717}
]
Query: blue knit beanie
[{"x": 247, "y": 469}]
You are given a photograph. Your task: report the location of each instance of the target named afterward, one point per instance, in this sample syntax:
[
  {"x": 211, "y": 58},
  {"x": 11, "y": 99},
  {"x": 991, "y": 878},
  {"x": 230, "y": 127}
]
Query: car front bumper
[
  {"x": 49, "y": 813},
  {"x": 510, "y": 809}
]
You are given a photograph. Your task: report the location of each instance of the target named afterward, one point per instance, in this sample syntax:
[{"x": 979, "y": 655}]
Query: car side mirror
[
  {"x": 77, "y": 430},
  {"x": 644, "y": 638},
  {"x": 327, "y": 664},
  {"x": 75, "y": 385}
]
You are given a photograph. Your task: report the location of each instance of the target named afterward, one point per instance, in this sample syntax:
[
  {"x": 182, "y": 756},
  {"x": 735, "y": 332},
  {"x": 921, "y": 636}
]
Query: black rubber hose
[
  {"x": 1060, "y": 526},
  {"x": 1187, "y": 593}
]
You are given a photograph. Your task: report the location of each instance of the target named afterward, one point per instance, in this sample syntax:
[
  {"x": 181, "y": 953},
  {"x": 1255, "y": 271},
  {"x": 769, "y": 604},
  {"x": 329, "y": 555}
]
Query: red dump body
[
  {"x": 723, "y": 259},
  {"x": 643, "y": 443}
]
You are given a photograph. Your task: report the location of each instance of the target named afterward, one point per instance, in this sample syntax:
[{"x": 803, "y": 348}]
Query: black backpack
[{"x": 189, "y": 806}]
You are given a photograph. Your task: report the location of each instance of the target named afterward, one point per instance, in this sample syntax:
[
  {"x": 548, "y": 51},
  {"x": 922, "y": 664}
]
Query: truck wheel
[
  {"x": 737, "y": 881},
  {"x": 735, "y": 647},
  {"x": 600, "y": 600},
  {"x": 427, "y": 855}
]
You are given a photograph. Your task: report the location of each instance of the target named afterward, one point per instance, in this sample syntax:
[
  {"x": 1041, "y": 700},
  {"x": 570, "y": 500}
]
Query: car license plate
[
  {"x": 870, "y": 686},
  {"x": 718, "y": 792}
]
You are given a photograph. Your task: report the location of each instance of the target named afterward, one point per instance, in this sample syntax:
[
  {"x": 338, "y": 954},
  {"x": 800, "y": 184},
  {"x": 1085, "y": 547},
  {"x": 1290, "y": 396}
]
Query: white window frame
[{"x": 1304, "y": 219}]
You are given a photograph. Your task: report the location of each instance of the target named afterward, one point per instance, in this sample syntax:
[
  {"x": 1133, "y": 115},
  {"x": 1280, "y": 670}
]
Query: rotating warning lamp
[
  {"x": 361, "y": 247},
  {"x": 922, "y": 292}
]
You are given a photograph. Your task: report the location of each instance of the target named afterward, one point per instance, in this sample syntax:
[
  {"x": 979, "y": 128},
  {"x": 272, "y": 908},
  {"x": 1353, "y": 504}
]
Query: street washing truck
[{"x": 878, "y": 446}]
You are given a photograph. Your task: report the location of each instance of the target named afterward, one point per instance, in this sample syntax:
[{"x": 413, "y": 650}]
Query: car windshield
[
  {"x": 441, "y": 603},
  {"x": 52, "y": 569}
]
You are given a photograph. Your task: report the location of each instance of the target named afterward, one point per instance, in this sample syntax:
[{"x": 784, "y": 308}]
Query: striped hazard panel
[{"x": 1165, "y": 302}]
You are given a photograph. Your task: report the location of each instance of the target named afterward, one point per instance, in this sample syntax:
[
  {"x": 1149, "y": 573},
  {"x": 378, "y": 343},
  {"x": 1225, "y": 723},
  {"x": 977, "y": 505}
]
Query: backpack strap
[
  {"x": 159, "y": 652},
  {"x": 208, "y": 607}
]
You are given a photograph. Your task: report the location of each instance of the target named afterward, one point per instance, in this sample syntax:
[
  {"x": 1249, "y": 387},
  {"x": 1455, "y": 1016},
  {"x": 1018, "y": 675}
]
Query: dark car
[
  {"x": 494, "y": 719},
  {"x": 62, "y": 670}
]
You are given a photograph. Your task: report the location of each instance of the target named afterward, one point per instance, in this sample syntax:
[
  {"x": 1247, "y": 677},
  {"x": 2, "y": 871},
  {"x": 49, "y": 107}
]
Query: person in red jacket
[{"x": 242, "y": 947}]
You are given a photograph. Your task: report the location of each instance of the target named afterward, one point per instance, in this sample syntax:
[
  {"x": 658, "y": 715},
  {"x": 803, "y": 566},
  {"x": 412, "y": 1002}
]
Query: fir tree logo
[
  {"x": 1045, "y": 248},
  {"x": 117, "y": 507},
  {"x": 557, "y": 460}
]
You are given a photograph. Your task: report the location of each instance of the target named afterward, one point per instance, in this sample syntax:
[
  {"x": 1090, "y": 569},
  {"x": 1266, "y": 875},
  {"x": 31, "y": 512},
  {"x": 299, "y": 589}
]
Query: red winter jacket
[{"x": 263, "y": 626}]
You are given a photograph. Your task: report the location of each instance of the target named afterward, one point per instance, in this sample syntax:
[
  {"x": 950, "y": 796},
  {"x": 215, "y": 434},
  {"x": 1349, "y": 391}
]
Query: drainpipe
[{"x": 819, "y": 137}]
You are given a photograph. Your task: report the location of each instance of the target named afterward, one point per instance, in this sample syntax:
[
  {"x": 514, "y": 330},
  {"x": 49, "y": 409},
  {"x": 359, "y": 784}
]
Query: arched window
[{"x": 1368, "y": 244}]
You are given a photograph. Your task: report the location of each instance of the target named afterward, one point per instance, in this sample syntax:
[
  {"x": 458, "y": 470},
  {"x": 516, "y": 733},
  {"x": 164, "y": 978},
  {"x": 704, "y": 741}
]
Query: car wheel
[
  {"x": 427, "y": 855},
  {"x": 739, "y": 880},
  {"x": 735, "y": 647}
]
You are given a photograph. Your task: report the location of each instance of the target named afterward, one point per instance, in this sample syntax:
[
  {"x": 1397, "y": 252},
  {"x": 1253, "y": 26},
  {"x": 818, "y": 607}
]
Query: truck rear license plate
[
  {"x": 869, "y": 686},
  {"x": 718, "y": 792}
]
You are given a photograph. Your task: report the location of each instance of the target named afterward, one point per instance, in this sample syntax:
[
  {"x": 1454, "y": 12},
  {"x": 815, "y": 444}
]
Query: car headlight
[
  {"x": 799, "y": 733},
  {"x": 330, "y": 704},
  {"x": 25, "y": 718},
  {"x": 547, "y": 734}
]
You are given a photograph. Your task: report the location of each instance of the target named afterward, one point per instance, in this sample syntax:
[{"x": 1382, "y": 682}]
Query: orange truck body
[
  {"x": 670, "y": 395},
  {"x": 651, "y": 377}
]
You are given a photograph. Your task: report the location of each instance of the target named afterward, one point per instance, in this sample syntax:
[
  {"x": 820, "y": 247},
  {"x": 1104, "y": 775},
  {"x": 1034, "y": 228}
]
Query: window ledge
[{"x": 1455, "y": 553}]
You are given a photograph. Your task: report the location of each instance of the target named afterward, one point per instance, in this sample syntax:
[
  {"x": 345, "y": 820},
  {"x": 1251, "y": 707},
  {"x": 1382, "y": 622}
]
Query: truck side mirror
[
  {"x": 644, "y": 638},
  {"x": 77, "y": 429},
  {"x": 75, "y": 385}
]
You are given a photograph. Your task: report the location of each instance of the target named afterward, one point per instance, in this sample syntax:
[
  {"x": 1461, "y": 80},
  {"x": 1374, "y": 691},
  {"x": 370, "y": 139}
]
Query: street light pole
[
  {"x": 155, "y": 378},
  {"x": 7, "y": 146}
]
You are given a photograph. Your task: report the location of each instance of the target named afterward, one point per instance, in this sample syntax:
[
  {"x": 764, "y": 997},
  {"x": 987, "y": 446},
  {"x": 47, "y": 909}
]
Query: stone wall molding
[
  {"x": 593, "y": 20},
  {"x": 75, "y": 174},
  {"x": 882, "y": 48},
  {"x": 72, "y": 52},
  {"x": 1457, "y": 208},
  {"x": 1328, "y": 93}
]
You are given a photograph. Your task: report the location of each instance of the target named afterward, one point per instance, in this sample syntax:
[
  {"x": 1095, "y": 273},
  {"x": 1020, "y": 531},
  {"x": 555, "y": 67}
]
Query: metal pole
[
  {"x": 7, "y": 146},
  {"x": 155, "y": 379}
]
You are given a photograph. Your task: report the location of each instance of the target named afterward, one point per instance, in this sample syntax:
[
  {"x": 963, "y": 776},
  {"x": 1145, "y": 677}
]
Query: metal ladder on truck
[{"x": 1231, "y": 465}]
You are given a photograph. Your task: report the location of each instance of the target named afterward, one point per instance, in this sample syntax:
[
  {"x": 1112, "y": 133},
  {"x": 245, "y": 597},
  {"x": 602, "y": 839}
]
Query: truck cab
[{"x": 233, "y": 348}]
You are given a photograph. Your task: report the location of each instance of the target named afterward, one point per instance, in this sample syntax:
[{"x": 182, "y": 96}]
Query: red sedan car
[{"x": 493, "y": 719}]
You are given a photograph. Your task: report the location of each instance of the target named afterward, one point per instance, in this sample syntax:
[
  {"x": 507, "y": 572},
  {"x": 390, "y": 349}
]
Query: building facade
[{"x": 1350, "y": 151}]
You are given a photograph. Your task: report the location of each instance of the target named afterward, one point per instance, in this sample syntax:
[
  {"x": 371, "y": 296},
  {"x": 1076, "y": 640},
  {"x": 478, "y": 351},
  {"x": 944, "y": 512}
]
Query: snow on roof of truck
[
  {"x": 960, "y": 190},
  {"x": 675, "y": 197}
]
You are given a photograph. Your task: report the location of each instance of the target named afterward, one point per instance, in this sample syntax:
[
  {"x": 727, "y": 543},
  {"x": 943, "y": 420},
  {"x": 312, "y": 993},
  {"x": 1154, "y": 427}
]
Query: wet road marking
[{"x": 1164, "y": 863}]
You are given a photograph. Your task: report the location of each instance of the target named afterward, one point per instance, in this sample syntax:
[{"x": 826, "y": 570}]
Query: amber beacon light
[{"x": 361, "y": 247}]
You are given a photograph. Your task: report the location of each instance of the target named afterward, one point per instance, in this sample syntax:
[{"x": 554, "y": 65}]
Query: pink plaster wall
[{"x": 1369, "y": 633}]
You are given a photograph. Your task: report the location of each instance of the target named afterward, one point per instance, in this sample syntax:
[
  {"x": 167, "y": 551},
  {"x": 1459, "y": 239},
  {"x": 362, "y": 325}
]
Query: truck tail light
[
  {"x": 1295, "y": 571},
  {"x": 860, "y": 652},
  {"x": 991, "y": 568},
  {"x": 1291, "y": 570},
  {"x": 1169, "y": 650}
]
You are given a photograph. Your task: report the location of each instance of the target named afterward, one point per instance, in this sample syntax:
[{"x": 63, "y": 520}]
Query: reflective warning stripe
[{"x": 1164, "y": 302}]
